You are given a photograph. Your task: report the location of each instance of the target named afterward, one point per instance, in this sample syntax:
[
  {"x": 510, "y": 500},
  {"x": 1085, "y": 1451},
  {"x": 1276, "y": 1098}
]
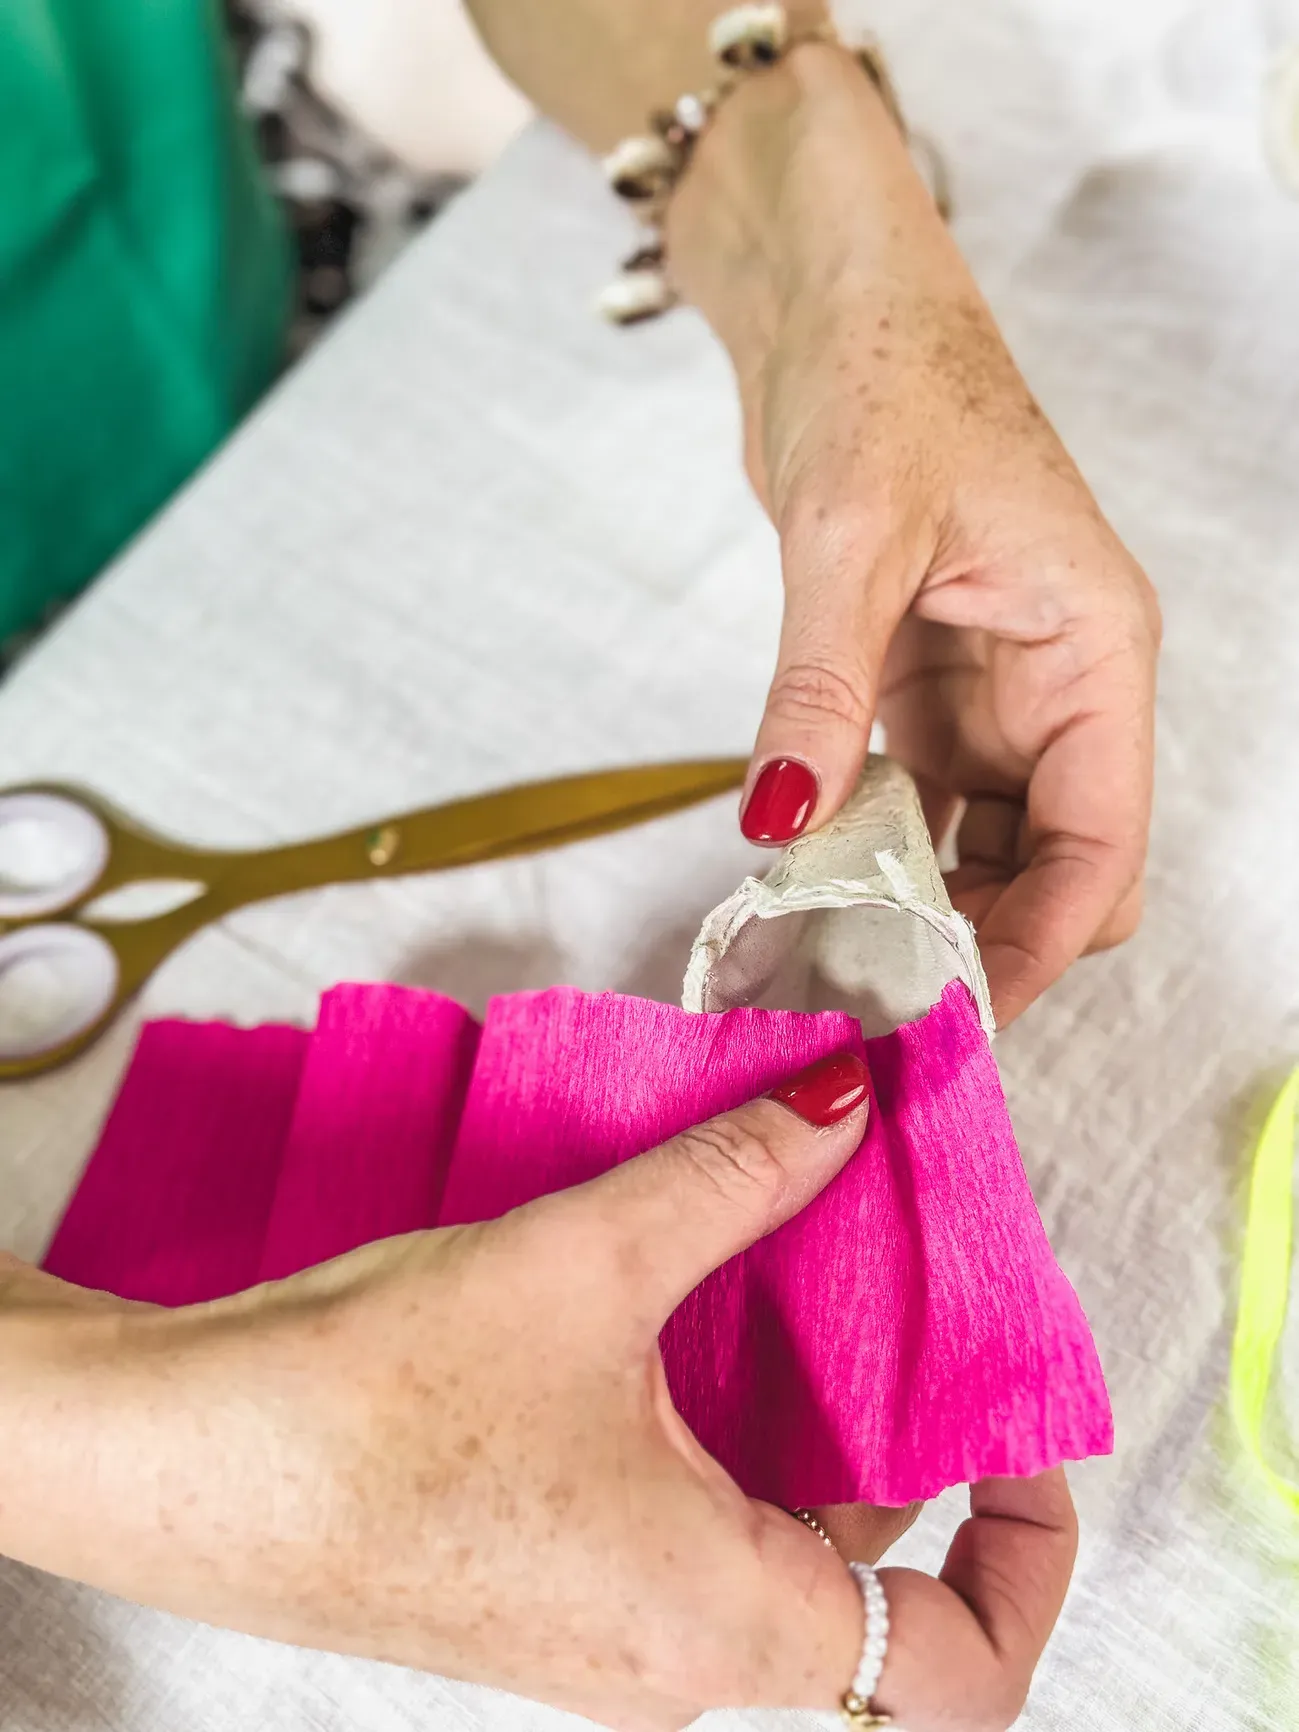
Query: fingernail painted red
[
  {"x": 826, "y": 1091},
  {"x": 781, "y": 802}
]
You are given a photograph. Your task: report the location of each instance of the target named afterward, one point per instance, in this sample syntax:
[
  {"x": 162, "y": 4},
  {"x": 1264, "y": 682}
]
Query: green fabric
[{"x": 144, "y": 276}]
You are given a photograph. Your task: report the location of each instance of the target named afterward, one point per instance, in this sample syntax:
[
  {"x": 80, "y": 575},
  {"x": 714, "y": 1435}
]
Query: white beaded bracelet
[{"x": 855, "y": 1703}]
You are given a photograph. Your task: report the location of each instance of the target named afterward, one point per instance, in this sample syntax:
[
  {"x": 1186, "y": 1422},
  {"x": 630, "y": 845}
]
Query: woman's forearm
[
  {"x": 69, "y": 1458},
  {"x": 24, "y": 1289},
  {"x": 43, "y": 1330},
  {"x": 600, "y": 67}
]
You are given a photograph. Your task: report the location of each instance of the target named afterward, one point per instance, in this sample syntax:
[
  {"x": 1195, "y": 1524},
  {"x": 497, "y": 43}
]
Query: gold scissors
[{"x": 82, "y": 966}]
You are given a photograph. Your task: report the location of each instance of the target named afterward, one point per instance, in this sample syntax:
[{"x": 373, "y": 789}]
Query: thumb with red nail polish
[
  {"x": 780, "y": 803},
  {"x": 828, "y": 1090},
  {"x": 688, "y": 1206}
]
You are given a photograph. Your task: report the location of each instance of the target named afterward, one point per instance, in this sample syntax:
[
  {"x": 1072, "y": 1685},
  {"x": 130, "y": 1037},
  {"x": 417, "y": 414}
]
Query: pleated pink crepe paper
[{"x": 909, "y": 1331}]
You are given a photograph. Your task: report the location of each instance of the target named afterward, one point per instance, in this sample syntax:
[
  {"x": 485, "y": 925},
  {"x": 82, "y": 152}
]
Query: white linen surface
[{"x": 478, "y": 537}]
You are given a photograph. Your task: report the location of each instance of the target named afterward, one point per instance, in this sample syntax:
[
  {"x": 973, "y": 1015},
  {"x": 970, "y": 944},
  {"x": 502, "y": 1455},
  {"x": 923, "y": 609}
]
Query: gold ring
[{"x": 809, "y": 1521}]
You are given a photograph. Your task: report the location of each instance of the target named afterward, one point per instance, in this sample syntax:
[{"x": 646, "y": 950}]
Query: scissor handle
[
  {"x": 90, "y": 849},
  {"x": 71, "y": 846},
  {"x": 99, "y": 970}
]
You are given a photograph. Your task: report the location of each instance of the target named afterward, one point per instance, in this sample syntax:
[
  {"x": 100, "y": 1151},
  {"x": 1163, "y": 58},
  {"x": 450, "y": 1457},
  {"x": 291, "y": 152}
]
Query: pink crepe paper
[{"x": 909, "y": 1331}]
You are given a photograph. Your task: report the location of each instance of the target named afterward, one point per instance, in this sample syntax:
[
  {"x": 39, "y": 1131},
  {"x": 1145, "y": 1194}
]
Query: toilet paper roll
[{"x": 854, "y": 917}]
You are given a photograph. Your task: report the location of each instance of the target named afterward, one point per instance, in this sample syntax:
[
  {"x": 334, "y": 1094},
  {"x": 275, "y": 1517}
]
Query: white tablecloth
[{"x": 478, "y": 537}]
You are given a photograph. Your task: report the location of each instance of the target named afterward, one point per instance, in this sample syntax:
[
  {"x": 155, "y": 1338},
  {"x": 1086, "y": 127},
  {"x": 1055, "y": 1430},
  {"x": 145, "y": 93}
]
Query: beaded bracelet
[
  {"x": 644, "y": 170},
  {"x": 855, "y": 1704},
  {"x": 855, "y": 1708}
]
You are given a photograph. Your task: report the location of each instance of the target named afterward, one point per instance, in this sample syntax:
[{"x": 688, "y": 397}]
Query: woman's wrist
[{"x": 801, "y": 175}]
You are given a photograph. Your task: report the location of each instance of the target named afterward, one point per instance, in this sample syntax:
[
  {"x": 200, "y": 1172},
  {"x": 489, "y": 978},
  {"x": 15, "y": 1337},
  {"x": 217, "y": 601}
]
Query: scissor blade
[
  {"x": 483, "y": 827},
  {"x": 547, "y": 814}
]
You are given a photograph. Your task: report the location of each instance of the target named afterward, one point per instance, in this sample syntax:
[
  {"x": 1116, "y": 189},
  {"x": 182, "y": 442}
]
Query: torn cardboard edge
[{"x": 853, "y": 917}]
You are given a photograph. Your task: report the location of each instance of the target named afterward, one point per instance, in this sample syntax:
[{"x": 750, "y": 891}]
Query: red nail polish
[
  {"x": 826, "y": 1091},
  {"x": 781, "y": 802}
]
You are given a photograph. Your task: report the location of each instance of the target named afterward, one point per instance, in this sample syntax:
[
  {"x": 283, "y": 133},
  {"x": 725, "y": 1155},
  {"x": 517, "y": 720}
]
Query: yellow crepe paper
[{"x": 1265, "y": 1281}]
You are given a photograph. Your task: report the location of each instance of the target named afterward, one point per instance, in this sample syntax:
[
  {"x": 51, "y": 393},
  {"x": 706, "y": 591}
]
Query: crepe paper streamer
[
  {"x": 383, "y": 1085},
  {"x": 176, "y": 1202},
  {"x": 910, "y": 1330},
  {"x": 1265, "y": 1281}
]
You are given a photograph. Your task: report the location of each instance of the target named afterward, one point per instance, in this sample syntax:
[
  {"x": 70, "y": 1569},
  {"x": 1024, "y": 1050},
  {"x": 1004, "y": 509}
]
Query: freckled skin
[
  {"x": 391, "y": 1456},
  {"x": 946, "y": 569}
]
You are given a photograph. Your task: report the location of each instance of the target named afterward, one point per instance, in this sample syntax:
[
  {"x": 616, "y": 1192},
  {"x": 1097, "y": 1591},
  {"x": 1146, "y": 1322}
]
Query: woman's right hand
[
  {"x": 946, "y": 570},
  {"x": 456, "y": 1451}
]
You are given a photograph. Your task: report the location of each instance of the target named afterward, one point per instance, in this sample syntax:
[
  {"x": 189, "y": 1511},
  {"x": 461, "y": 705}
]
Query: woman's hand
[
  {"x": 946, "y": 569},
  {"x": 456, "y": 1451}
]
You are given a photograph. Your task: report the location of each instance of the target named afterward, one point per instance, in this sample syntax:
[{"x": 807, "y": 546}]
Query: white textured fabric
[{"x": 479, "y": 537}]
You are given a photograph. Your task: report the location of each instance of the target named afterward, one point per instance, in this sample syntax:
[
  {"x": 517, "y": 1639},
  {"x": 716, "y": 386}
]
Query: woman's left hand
[{"x": 456, "y": 1451}]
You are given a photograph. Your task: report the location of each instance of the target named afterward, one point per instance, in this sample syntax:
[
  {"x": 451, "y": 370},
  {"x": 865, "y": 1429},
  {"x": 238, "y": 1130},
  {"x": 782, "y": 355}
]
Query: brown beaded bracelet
[{"x": 644, "y": 170}]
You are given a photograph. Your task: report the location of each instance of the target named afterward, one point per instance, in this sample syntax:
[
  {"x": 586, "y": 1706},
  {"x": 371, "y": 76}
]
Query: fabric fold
[
  {"x": 910, "y": 1330},
  {"x": 175, "y": 1204},
  {"x": 382, "y": 1090}
]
